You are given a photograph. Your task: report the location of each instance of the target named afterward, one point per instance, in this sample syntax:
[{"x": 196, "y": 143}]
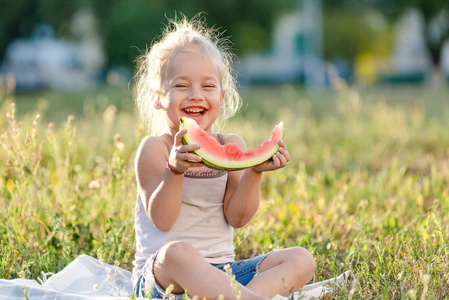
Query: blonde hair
[{"x": 181, "y": 35}]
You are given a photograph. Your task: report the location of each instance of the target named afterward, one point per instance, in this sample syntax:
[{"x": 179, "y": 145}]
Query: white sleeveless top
[{"x": 201, "y": 222}]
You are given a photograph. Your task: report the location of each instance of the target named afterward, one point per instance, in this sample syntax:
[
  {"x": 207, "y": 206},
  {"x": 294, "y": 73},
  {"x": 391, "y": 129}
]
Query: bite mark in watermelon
[{"x": 229, "y": 157}]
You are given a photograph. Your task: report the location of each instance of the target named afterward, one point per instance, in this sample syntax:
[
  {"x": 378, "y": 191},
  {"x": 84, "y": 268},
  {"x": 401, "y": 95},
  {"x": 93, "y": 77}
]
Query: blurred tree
[
  {"x": 435, "y": 26},
  {"x": 15, "y": 17},
  {"x": 129, "y": 26},
  {"x": 132, "y": 25},
  {"x": 348, "y": 32},
  {"x": 19, "y": 18},
  {"x": 352, "y": 29}
]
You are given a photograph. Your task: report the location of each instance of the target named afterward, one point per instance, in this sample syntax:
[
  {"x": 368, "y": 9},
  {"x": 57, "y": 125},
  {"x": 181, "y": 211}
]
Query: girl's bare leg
[
  {"x": 182, "y": 265},
  {"x": 283, "y": 272}
]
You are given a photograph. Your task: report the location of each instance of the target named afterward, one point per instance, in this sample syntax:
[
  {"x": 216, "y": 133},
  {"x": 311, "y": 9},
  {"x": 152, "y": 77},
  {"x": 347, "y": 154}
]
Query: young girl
[{"x": 185, "y": 212}]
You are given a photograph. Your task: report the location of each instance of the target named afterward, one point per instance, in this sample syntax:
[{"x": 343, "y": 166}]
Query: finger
[
  {"x": 190, "y": 157},
  {"x": 188, "y": 148},
  {"x": 276, "y": 160},
  {"x": 282, "y": 144},
  {"x": 285, "y": 153},
  {"x": 195, "y": 164},
  {"x": 178, "y": 137},
  {"x": 282, "y": 159}
]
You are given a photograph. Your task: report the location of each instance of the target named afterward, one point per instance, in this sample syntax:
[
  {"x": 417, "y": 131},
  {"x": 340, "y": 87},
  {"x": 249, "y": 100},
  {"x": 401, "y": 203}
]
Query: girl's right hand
[{"x": 181, "y": 157}]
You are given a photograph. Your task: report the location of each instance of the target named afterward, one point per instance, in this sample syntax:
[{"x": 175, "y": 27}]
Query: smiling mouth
[{"x": 194, "y": 112}]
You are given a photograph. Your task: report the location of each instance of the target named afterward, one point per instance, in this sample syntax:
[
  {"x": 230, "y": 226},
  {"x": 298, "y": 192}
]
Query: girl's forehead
[{"x": 191, "y": 60}]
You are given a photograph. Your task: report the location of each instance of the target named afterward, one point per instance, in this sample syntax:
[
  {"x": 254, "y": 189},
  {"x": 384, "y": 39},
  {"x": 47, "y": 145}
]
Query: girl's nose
[{"x": 195, "y": 94}]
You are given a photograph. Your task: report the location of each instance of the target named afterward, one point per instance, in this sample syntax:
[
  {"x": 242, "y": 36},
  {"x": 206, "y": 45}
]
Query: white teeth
[{"x": 194, "y": 110}]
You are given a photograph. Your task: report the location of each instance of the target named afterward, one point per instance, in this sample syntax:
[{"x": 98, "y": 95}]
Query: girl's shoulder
[
  {"x": 151, "y": 141},
  {"x": 152, "y": 145}
]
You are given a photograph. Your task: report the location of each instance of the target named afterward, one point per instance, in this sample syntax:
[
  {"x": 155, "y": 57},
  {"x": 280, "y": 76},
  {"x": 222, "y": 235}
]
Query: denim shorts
[{"x": 243, "y": 270}]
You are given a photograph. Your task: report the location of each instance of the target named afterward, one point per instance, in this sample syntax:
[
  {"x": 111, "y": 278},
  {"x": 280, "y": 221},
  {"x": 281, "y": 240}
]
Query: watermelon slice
[{"x": 229, "y": 157}]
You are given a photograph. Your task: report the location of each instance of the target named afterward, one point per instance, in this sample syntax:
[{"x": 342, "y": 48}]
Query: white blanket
[{"x": 87, "y": 278}]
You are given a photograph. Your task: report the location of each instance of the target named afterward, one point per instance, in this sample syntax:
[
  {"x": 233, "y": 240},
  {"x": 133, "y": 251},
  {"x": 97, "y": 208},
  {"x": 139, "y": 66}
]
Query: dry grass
[{"x": 367, "y": 188}]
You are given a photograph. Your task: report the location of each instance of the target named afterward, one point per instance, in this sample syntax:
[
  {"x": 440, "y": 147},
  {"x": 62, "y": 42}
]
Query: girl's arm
[
  {"x": 243, "y": 189},
  {"x": 160, "y": 189}
]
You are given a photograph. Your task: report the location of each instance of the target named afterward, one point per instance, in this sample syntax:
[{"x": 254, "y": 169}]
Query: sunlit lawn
[{"x": 366, "y": 189}]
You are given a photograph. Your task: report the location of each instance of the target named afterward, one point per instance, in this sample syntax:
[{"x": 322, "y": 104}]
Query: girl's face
[{"x": 192, "y": 89}]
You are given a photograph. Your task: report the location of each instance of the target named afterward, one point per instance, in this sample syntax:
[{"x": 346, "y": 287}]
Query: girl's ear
[
  {"x": 157, "y": 104},
  {"x": 157, "y": 101}
]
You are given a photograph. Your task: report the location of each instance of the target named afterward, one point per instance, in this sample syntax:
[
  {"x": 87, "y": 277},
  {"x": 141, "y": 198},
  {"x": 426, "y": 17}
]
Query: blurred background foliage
[
  {"x": 128, "y": 26},
  {"x": 430, "y": 11}
]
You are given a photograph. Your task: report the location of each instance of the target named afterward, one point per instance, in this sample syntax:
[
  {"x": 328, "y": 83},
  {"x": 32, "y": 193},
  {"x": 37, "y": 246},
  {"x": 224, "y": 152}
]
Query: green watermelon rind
[{"x": 229, "y": 165}]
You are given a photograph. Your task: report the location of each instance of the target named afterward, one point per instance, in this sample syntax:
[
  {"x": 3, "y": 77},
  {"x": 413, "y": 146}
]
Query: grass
[{"x": 366, "y": 190}]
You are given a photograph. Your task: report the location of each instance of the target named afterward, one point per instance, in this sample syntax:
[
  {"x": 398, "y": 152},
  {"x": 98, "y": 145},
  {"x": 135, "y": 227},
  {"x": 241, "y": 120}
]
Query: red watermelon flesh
[{"x": 229, "y": 156}]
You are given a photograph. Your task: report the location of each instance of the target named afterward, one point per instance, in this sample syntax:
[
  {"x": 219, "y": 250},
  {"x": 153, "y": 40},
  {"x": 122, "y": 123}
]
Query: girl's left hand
[{"x": 279, "y": 160}]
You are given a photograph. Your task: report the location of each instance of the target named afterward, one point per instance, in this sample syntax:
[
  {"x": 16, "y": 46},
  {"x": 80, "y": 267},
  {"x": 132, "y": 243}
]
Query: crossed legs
[{"x": 281, "y": 272}]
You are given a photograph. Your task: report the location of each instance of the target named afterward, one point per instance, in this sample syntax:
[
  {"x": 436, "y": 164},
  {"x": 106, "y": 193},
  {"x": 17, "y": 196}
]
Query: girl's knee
[
  {"x": 302, "y": 258},
  {"x": 176, "y": 253}
]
